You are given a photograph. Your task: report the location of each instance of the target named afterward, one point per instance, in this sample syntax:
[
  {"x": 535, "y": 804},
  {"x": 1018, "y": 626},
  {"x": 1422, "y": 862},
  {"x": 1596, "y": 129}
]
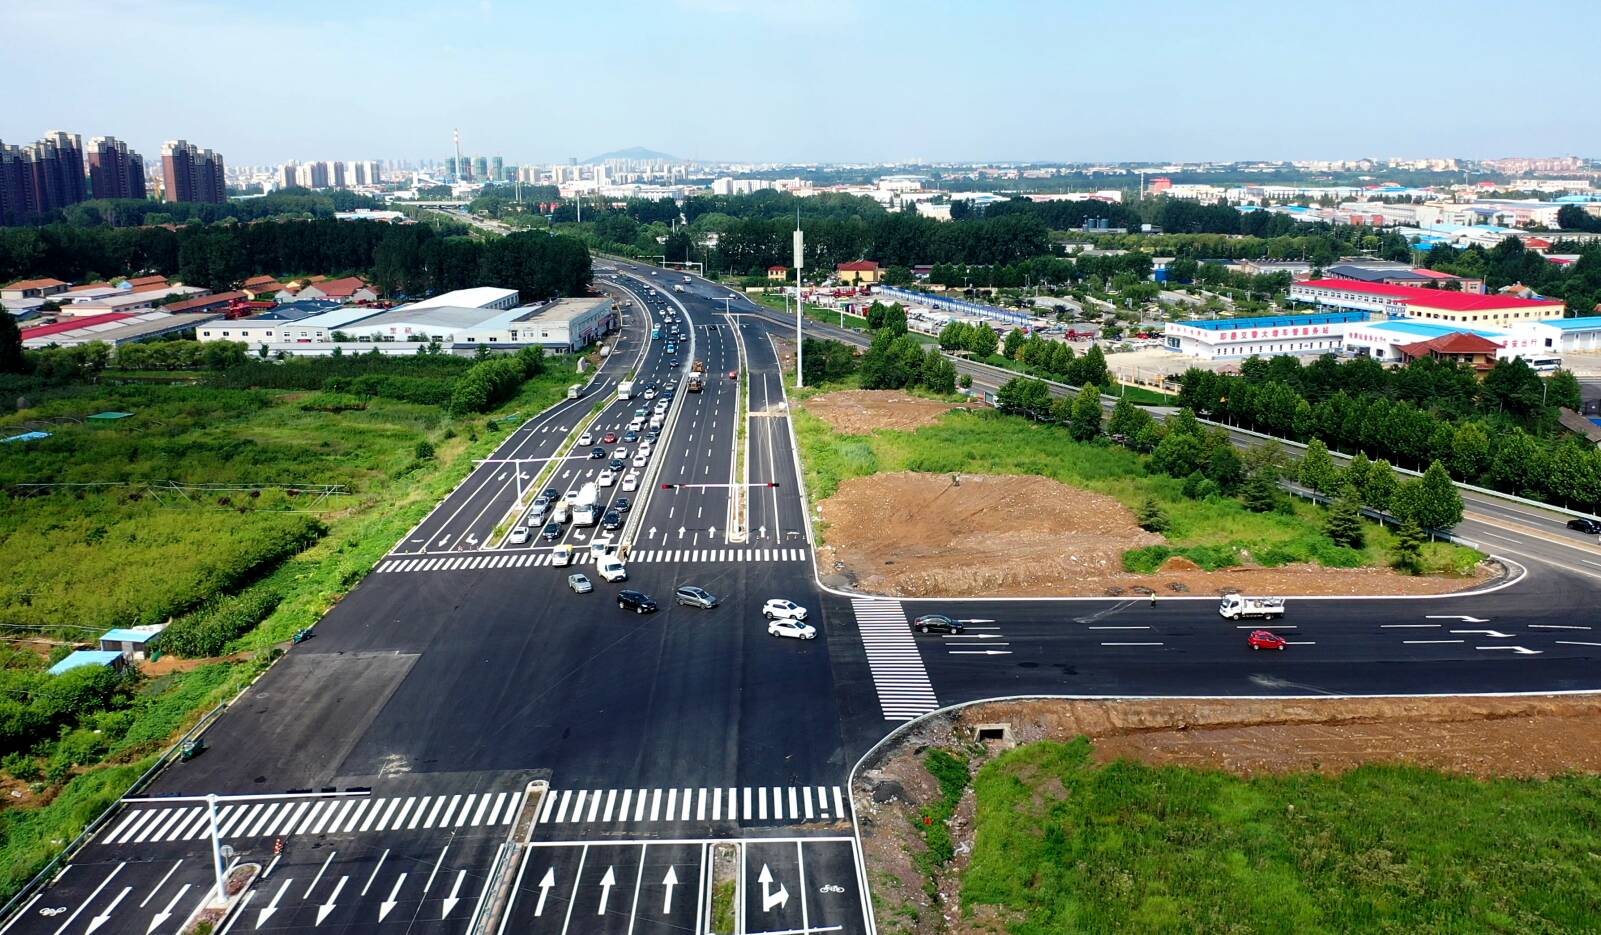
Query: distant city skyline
[{"x": 836, "y": 81}]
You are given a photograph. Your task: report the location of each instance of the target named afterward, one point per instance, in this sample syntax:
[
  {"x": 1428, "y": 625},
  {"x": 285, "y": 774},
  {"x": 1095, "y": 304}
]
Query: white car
[
  {"x": 637, "y": 424},
  {"x": 611, "y": 569},
  {"x": 518, "y": 535},
  {"x": 791, "y": 628},
  {"x": 620, "y": 454},
  {"x": 570, "y": 497},
  {"x": 640, "y": 459},
  {"x": 606, "y": 478},
  {"x": 645, "y": 448},
  {"x": 650, "y": 394},
  {"x": 780, "y": 609},
  {"x": 630, "y": 482},
  {"x": 588, "y": 438}
]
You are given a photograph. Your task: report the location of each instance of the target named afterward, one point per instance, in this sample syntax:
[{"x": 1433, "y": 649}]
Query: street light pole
[
  {"x": 800, "y": 261},
  {"x": 216, "y": 847}
]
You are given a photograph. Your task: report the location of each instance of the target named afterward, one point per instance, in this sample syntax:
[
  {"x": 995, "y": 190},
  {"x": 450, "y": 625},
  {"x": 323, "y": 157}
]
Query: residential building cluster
[
  {"x": 57, "y": 171},
  {"x": 329, "y": 174}
]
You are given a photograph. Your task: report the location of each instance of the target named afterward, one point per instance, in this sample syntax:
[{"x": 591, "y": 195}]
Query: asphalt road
[{"x": 392, "y": 754}]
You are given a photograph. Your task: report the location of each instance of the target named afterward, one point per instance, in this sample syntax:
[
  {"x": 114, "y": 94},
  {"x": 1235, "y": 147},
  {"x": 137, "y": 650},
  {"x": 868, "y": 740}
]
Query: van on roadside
[{"x": 575, "y": 391}]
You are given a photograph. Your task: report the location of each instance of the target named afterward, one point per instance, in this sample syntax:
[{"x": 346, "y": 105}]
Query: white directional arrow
[
  {"x": 388, "y": 905},
  {"x": 452, "y": 899},
  {"x": 761, "y": 532},
  {"x": 472, "y": 541},
  {"x": 770, "y": 899},
  {"x": 980, "y": 652},
  {"x": 680, "y": 532},
  {"x": 544, "y": 890},
  {"x": 442, "y": 540},
  {"x": 1517, "y": 649},
  {"x": 1464, "y": 619},
  {"x": 976, "y": 620},
  {"x": 606, "y": 883},
  {"x": 1493, "y": 634},
  {"x": 712, "y": 531},
  {"x": 105, "y": 917},
  {"x": 652, "y": 533},
  {"x": 669, "y": 881},
  {"x": 272, "y": 907},
  {"x": 327, "y": 907},
  {"x": 973, "y": 636},
  {"x": 500, "y": 476},
  {"x": 166, "y": 913}
]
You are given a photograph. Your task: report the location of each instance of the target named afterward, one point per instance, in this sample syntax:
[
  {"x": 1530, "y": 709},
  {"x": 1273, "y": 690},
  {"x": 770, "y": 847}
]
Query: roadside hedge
[
  {"x": 206, "y": 630},
  {"x": 491, "y": 382}
]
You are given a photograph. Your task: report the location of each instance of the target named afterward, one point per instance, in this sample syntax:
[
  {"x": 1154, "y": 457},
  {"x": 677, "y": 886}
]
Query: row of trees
[
  {"x": 896, "y": 360},
  {"x": 404, "y": 260},
  {"x": 134, "y": 212},
  {"x": 494, "y": 380},
  {"x": 1500, "y": 433}
]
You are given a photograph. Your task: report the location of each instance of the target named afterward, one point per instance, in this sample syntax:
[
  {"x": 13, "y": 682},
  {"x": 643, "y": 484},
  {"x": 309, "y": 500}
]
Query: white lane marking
[
  {"x": 1574, "y": 643},
  {"x": 1429, "y": 642},
  {"x": 1554, "y": 626},
  {"x": 1132, "y": 644},
  {"x": 1409, "y": 626}
]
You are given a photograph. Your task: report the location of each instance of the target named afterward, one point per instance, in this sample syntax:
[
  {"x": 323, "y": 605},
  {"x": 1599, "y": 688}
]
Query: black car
[
  {"x": 652, "y": 435},
  {"x": 636, "y": 601},
  {"x": 597, "y": 453},
  {"x": 551, "y": 532},
  {"x": 551, "y": 495},
  {"x": 937, "y": 623},
  {"x": 630, "y": 436},
  {"x": 621, "y": 504},
  {"x": 615, "y": 464},
  {"x": 612, "y": 520},
  {"x": 1588, "y": 526}
]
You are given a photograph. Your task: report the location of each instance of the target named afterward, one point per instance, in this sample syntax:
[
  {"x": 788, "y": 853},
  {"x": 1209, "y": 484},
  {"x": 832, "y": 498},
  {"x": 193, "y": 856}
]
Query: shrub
[
  {"x": 424, "y": 450},
  {"x": 332, "y": 402},
  {"x": 206, "y": 630}
]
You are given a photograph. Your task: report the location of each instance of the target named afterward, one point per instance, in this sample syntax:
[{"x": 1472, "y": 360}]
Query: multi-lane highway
[{"x": 469, "y": 745}]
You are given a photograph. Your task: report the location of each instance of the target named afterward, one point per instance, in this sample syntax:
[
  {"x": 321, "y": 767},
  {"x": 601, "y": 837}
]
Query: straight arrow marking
[
  {"x": 452, "y": 899},
  {"x": 387, "y": 905},
  {"x": 606, "y": 883},
  {"x": 327, "y": 907},
  {"x": 166, "y": 913},
  {"x": 272, "y": 907},
  {"x": 105, "y": 916},
  {"x": 545, "y": 884},
  {"x": 669, "y": 881}
]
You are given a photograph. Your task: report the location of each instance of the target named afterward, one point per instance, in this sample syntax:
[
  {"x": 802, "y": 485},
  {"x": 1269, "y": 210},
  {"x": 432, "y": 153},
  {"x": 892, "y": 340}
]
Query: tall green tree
[
  {"x": 12, "y": 359},
  {"x": 1014, "y": 343},
  {"x": 1318, "y": 470},
  {"x": 1086, "y": 419},
  {"x": 1343, "y": 523},
  {"x": 1406, "y": 555}
]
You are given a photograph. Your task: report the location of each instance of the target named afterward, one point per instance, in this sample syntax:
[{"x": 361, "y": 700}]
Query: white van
[
  {"x": 564, "y": 512},
  {"x": 575, "y": 391},
  {"x": 656, "y": 421}
]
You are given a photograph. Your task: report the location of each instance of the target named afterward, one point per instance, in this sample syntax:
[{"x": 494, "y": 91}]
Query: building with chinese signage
[{"x": 1224, "y": 338}]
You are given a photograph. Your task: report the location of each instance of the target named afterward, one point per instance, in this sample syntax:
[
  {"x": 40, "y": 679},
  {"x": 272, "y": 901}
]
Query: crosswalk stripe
[
  {"x": 195, "y": 817},
  {"x": 161, "y": 822},
  {"x": 266, "y": 815},
  {"x": 822, "y": 802},
  {"x": 893, "y": 660},
  {"x": 512, "y": 807},
  {"x": 133, "y": 820},
  {"x": 639, "y": 806},
  {"x": 622, "y": 812},
  {"x": 611, "y": 800},
  {"x": 548, "y": 806},
  {"x": 225, "y": 829},
  {"x": 594, "y": 805},
  {"x": 839, "y": 807},
  {"x": 685, "y": 816}
]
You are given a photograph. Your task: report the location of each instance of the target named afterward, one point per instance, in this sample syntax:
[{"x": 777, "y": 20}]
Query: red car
[
  {"x": 609, "y": 437},
  {"x": 1263, "y": 639},
  {"x": 733, "y": 374}
]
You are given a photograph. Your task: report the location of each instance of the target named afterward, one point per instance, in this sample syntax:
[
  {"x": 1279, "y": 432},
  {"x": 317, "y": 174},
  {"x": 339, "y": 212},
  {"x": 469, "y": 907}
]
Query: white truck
[
  {"x": 1240, "y": 607},
  {"x": 625, "y": 389},
  {"x": 585, "y": 510}
]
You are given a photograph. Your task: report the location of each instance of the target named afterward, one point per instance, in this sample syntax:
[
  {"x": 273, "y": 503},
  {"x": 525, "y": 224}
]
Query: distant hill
[{"x": 636, "y": 152}]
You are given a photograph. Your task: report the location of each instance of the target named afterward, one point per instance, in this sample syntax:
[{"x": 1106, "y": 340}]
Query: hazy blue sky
[{"x": 822, "y": 80}]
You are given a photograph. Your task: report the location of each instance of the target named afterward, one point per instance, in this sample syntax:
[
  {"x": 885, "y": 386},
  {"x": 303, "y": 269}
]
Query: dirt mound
[
  {"x": 857, "y": 412},
  {"x": 920, "y": 535}
]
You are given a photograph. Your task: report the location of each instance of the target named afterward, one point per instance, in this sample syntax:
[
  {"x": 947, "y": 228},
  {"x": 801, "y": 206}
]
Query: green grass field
[
  {"x": 1064, "y": 846},
  {"x": 1213, "y": 532}
]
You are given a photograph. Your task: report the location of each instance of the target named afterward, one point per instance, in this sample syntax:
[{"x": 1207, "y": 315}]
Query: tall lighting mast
[{"x": 800, "y": 261}]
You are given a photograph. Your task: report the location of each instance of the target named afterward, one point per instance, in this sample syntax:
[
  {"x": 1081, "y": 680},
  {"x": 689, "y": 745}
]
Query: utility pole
[{"x": 800, "y": 261}]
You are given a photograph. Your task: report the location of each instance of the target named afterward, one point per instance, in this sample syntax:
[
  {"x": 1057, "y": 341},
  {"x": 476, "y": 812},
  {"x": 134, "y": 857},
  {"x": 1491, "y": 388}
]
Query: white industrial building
[
  {"x": 477, "y": 297},
  {"x": 1225, "y": 338},
  {"x": 564, "y": 325}
]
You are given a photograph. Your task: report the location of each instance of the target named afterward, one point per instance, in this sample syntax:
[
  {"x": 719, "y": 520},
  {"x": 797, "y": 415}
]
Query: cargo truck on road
[
  {"x": 585, "y": 510},
  {"x": 625, "y": 389},
  {"x": 1240, "y": 607}
]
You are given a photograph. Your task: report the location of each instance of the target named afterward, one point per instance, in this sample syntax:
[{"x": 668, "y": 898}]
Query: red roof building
[
  {"x": 1428, "y": 304},
  {"x": 349, "y": 289},
  {"x": 857, "y": 271},
  {"x": 71, "y": 324},
  {"x": 1458, "y": 347},
  {"x": 206, "y": 303},
  {"x": 33, "y": 289}
]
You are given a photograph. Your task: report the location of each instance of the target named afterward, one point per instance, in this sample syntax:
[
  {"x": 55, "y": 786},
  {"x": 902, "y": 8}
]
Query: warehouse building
[
  {"x": 291, "y": 336},
  {"x": 1224, "y": 338},
  {"x": 1400, "y": 341},
  {"x": 563, "y": 326},
  {"x": 113, "y": 328}
]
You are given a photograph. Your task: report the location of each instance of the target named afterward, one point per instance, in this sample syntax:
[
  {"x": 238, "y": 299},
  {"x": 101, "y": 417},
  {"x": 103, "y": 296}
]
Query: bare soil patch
[
  {"x": 910, "y": 534},
  {"x": 858, "y": 412},
  {"x": 1533, "y": 737}
]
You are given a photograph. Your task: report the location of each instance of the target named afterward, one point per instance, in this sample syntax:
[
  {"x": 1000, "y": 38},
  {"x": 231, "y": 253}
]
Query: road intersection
[{"x": 468, "y": 746}]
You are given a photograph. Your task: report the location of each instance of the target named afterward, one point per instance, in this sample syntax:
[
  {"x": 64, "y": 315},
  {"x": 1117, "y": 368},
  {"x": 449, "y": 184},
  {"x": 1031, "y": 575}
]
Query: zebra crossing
[
  {"x": 899, "y": 677},
  {"x": 744, "y": 804},
  {"x": 525, "y": 559},
  {"x": 316, "y": 815}
]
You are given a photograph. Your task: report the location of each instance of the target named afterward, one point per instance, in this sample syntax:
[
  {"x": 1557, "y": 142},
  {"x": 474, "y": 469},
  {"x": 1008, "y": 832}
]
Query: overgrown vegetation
[
  {"x": 1065, "y": 845},
  {"x": 949, "y": 769},
  {"x": 198, "y": 507}
]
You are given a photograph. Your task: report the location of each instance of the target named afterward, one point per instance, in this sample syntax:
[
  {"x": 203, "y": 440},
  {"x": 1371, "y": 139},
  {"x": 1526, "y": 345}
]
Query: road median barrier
[
  {"x": 511, "y": 862},
  {"x": 739, "y": 475}
]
